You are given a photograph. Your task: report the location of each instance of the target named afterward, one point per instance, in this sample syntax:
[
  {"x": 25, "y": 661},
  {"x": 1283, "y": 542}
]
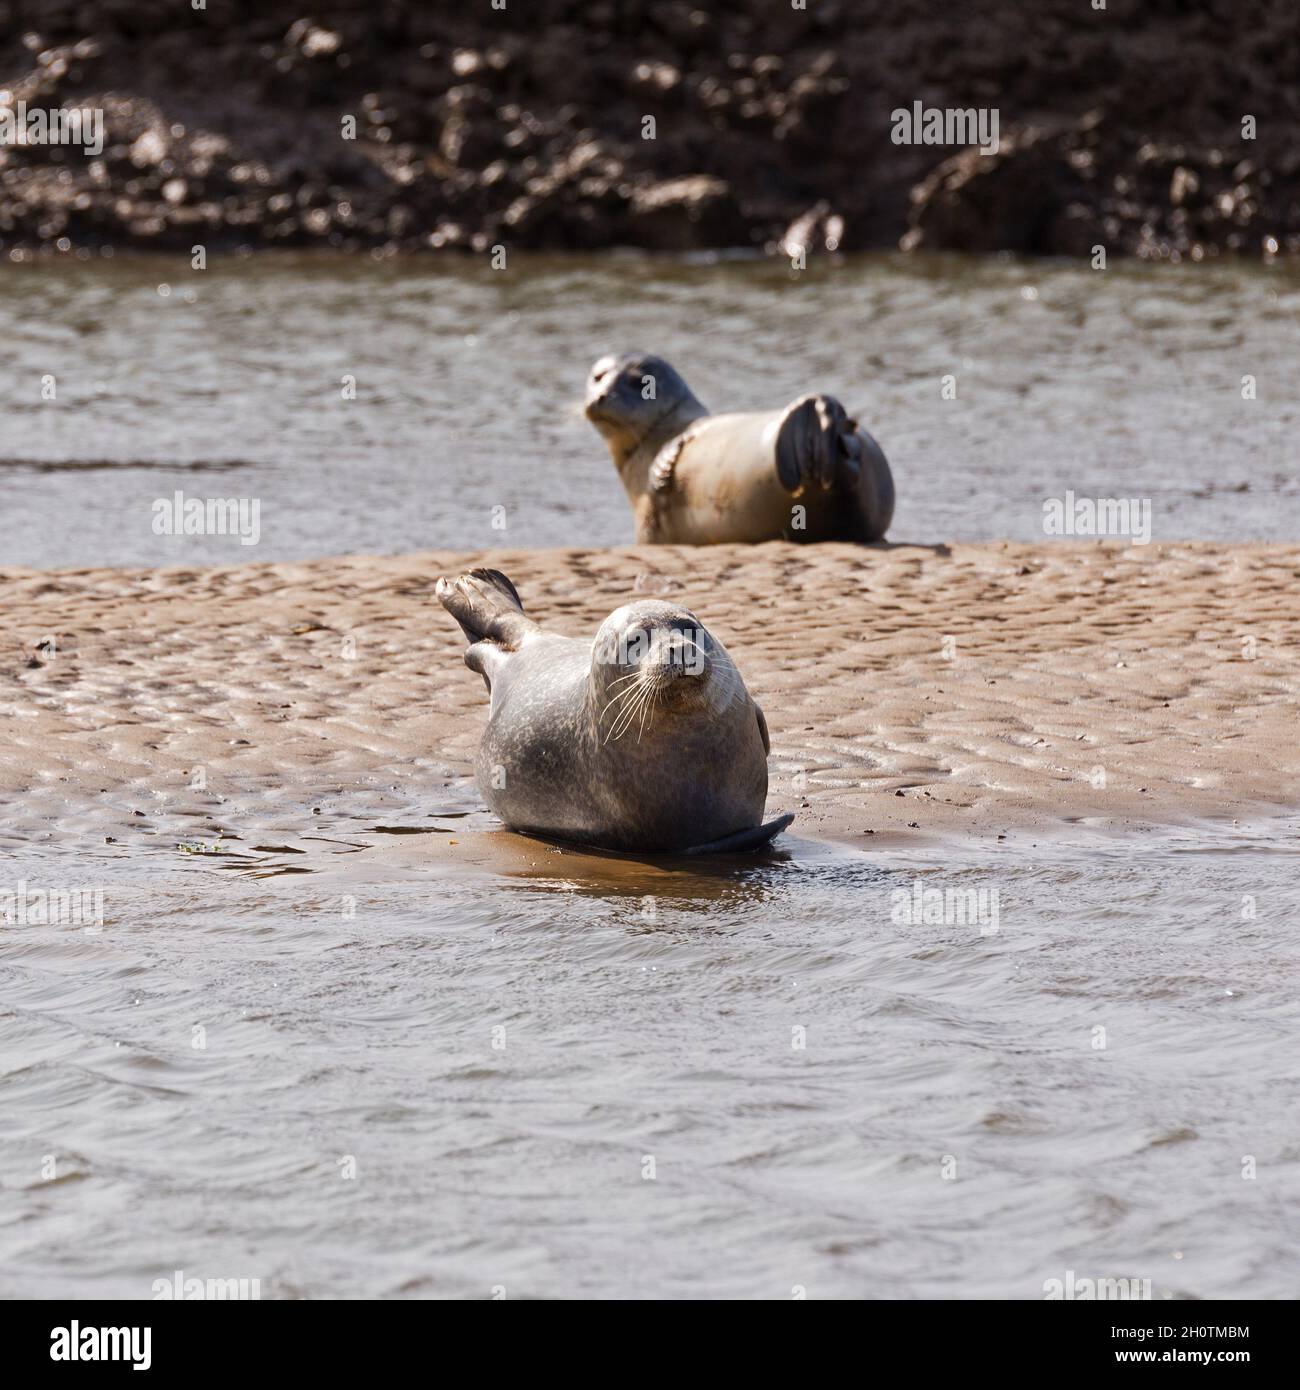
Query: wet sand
[
  {"x": 910, "y": 691},
  {"x": 499, "y": 1030}
]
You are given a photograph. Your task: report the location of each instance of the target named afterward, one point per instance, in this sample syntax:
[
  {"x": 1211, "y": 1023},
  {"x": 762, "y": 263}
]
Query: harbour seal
[
  {"x": 805, "y": 473},
  {"x": 643, "y": 739}
]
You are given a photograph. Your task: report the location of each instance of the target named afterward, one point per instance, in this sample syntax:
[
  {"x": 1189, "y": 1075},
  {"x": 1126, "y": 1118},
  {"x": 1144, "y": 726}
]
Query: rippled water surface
[
  {"x": 501, "y": 1036},
  {"x": 361, "y": 1050},
  {"x": 228, "y": 383}
]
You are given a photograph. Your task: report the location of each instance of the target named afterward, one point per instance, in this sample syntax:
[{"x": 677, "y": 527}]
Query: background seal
[{"x": 805, "y": 473}]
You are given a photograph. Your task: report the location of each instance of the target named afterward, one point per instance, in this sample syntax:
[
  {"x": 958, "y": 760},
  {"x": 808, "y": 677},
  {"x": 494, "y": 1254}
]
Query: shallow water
[
  {"x": 946, "y": 1124},
  {"x": 1122, "y": 383},
  {"x": 348, "y": 978}
]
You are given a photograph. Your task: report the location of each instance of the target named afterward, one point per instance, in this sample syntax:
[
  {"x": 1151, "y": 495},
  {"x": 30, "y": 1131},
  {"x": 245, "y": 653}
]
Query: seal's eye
[{"x": 637, "y": 644}]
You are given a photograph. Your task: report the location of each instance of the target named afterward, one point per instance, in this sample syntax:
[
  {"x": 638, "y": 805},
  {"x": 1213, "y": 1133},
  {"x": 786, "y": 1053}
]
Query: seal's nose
[
  {"x": 603, "y": 368},
  {"x": 676, "y": 650},
  {"x": 599, "y": 381}
]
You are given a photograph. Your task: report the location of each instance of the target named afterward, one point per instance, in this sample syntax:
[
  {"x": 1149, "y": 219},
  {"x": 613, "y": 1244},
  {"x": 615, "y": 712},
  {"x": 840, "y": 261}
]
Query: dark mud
[{"x": 524, "y": 126}]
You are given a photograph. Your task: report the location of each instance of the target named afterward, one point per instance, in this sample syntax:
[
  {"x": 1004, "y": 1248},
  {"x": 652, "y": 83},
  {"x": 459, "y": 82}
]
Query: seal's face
[
  {"x": 653, "y": 661},
  {"x": 628, "y": 395}
]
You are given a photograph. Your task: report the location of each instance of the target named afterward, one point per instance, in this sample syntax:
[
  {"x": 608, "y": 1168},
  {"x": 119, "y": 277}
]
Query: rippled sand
[{"x": 909, "y": 690}]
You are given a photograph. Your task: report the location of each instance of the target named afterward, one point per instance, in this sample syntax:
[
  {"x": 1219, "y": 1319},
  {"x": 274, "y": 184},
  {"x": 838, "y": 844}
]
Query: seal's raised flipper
[
  {"x": 485, "y": 604},
  {"x": 817, "y": 446},
  {"x": 755, "y": 838}
]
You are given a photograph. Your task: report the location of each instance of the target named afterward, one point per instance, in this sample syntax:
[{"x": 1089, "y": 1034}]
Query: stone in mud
[
  {"x": 1012, "y": 200},
  {"x": 818, "y": 230},
  {"x": 685, "y": 214}
]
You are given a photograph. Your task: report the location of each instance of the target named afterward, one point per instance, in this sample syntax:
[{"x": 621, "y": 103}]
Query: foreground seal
[
  {"x": 643, "y": 739},
  {"x": 805, "y": 473}
]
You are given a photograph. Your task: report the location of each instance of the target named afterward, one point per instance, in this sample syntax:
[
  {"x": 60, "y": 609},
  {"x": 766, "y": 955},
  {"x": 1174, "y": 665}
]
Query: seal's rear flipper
[
  {"x": 817, "y": 447},
  {"x": 745, "y": 839},
  {"x": 820, "y": 449},
  {"x": 486, "y": 606}
]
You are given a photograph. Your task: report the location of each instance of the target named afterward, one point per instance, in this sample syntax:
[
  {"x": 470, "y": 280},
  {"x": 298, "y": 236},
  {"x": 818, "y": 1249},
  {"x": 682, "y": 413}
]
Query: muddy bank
[
  {"x": 525, "y": 126},
  {"x": 910, "y": 691}
]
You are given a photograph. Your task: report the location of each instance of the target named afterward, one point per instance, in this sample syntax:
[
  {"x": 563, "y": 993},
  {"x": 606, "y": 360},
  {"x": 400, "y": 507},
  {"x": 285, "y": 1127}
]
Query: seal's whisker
[
  {"x": 611, "y": 703},
  {"x": 647, "y": 699},
  {"x": 622, "y": 715},
  {"x": 648, "y": 708},
  {"x": 649, "y": 694},
  {"x": 620, "y": 727},
  {"x": 624, "y": 681},
  {"x": 628, "y": 711},
  {"x": 618, "y": 719},
  {"x": 637, "y": 706},
  {"x": 633, "y": 713}
]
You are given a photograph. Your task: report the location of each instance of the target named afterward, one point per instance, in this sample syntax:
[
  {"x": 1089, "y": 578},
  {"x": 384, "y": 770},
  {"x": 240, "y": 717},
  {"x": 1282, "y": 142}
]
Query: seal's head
[
  {"x": 654, "y": 660},
  {"x": 630, "y": 395}
]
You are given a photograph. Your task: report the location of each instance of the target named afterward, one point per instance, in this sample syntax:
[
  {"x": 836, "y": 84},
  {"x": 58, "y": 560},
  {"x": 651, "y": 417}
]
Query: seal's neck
[{"x": 634, "y": 464}]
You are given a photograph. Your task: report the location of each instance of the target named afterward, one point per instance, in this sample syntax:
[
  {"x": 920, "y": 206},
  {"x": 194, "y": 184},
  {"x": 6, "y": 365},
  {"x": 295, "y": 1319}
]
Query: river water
[
  {"x": 322, "y": 1060},
  {"x": 324, "y": 1057},
  {"x": 230, "y": 382}
]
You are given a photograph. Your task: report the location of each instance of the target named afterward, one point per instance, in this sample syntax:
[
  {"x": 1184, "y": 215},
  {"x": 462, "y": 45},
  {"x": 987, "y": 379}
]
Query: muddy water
[
  {"x": 397, "y": 1055},
  {"x": 230, "y": 382},
  {"x": 362, "y": 1050}
]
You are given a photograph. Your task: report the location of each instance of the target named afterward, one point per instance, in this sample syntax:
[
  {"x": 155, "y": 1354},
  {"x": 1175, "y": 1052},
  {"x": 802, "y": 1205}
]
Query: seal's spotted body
[{"x": 643, "y": 739}]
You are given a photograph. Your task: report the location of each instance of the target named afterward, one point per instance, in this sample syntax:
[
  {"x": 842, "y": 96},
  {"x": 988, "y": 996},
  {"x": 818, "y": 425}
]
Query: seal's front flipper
[
  {"x": 485, "y": 658},
  {"x": 755, "y": 838},
  {"x": 486, "y": 606}
]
